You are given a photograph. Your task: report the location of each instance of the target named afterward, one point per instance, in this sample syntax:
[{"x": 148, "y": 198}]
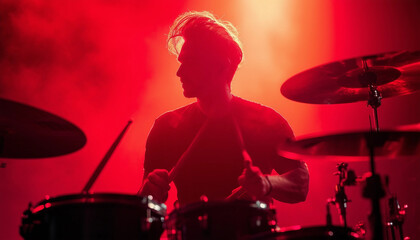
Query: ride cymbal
[{"x": 393, "y": 74}]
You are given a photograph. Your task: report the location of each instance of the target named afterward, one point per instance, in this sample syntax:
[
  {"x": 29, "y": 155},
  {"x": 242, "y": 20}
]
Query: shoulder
[
  {"x": 261, "y": 115},
  {"x": 175, "y": 117},
  {"x": 257, "y": 111}
]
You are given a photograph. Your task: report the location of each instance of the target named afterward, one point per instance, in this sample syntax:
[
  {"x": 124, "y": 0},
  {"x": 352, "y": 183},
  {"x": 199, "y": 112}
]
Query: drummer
[{"x": 233, "y": 141}]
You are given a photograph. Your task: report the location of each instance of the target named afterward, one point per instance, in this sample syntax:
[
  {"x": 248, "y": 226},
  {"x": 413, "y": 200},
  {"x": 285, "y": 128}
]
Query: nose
[{"x": 179, "y": 72}]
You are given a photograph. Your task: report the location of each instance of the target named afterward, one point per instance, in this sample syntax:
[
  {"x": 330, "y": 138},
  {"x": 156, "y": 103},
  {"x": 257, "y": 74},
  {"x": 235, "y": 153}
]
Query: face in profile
[{"x": 199, "y": 71}]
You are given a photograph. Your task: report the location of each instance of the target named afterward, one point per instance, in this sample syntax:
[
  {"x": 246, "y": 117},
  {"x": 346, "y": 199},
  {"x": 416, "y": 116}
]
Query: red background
[{"x": 99, "y": 63}]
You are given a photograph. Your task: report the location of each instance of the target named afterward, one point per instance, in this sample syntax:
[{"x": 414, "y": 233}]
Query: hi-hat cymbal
[
  {"x": 396, "y": 73},
  {"x": 28, "y": 132},
  {"x": 353, "y": 146}
]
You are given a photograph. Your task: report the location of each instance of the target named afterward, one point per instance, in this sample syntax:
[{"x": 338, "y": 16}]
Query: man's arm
[
  {"x": 292, "y": 186},
  {"x": 156, "y": 184},
  {"x": 290, "y": 181},
  {"x": 155, "y": 177}
]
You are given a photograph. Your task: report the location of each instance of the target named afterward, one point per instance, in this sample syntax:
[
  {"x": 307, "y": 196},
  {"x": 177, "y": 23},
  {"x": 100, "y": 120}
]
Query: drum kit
[{"x": 28, "y": 132}]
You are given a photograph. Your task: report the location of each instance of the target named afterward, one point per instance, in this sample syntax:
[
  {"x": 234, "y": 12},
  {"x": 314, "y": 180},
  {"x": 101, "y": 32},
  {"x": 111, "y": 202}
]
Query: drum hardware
[
  {"x": 373, "y": 189},
  {"x": 357, "y": 146},
  {"x": 235, "y": 219},
  {"x": 93, "y": 217},
  {"x": 346, "y": 178},
  {"x": 358, "y": 79},
  {"x": 360, "y": 229},
  {"x": 396, "y": 216},
  {"x": 203, "y": 219},
  {"x": 27, "y": 225},
  {"x": 146, "y": 224}
]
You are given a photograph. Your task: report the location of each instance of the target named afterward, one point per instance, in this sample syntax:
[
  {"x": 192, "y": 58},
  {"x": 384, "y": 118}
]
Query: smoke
[{"x": 90, "y": 54}]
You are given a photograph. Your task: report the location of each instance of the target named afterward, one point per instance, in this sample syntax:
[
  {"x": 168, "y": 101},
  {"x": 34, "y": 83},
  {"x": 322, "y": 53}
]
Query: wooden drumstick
[
  {"x": 240, "y": 191},
  {"x": 174, "y": 171}
]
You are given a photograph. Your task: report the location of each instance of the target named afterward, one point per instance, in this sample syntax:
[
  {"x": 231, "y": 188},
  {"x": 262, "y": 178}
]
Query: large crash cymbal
[
  {"x": 397, "y": 73},
  {"x": 353, "y": 146},
  {"x": 28, "y": 132}
]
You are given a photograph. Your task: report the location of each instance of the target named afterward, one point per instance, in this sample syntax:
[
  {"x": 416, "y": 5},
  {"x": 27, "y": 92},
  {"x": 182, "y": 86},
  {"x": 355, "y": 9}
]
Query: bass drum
[
  {"x": 311, "y": 233},
  {"x": 220, "y": 220},
  {"x": 93, "y": 217}
]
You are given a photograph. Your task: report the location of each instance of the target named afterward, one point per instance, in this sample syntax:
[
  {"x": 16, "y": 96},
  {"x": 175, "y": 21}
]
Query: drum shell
[
  {"x": 220, "y": 220},
  {"x": 311, "y": 233},
  {"x": 94, "y": 216}
]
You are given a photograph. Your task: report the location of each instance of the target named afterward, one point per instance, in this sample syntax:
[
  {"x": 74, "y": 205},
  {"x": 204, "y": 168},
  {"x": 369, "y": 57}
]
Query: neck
[{"x": 216, "y": 105}]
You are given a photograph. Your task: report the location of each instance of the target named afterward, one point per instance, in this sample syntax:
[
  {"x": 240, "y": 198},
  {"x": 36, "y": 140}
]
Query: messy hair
[{"x": 220, "y": 36}]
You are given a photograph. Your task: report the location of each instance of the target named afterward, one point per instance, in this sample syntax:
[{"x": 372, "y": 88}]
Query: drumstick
[
  {"x": 240, "y": 191},
  {"x": 174, "y": 171},
  {"x": 105, "y": 159}
]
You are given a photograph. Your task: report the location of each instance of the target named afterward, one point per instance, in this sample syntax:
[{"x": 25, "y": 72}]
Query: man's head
[{"x": 208, "y": 49}]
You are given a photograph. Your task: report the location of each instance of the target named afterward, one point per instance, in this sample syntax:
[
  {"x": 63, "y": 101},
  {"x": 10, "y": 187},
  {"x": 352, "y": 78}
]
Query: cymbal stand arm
[
  {"x": 369, "y": 78},
  {"x": 374, "y": 101},
  {"x": 341, "y": 199}
]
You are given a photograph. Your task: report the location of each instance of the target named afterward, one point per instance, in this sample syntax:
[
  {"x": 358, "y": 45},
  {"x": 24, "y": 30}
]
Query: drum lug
[
  {"x": 257, "y": 222},
  {"x": 360, "y": 230},
  {"x": 204, "y": 223},
  {"x": 147, "y": 222},
  {"x": 27, "y": 225}
]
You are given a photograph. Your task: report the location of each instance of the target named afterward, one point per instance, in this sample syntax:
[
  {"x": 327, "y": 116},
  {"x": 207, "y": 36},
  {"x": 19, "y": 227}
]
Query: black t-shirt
[{"x": 216, "y": 162}]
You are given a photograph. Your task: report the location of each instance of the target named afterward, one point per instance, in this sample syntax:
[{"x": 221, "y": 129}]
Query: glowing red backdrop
[{"x": 100, "y": 63}]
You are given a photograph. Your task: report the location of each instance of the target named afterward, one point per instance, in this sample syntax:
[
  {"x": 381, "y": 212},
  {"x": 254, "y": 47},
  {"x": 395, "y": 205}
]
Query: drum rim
[
  {"x": 99, "y": 198},
  {"x": 296, "y": 230},
  {"x": 215, "y": 204}
]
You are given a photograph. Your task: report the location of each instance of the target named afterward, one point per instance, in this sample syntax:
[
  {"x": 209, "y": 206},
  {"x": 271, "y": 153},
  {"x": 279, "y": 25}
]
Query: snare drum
[
  {"x": 311, "y": 233},
  {"x": 220, "y": 220},
  {"x": 94, "y": 216}
]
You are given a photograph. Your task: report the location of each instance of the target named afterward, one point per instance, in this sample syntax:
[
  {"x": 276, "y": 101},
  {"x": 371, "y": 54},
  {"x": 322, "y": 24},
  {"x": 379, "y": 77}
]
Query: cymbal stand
[
  {"x": 369, "y": 79},
  {"x": 346, "y": 178},
  {"x": 373, "y": 189}
]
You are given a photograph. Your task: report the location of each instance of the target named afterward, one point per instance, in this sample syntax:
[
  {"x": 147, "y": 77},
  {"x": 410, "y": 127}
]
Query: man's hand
[
  {"x": 254, "y": 182},
  {"x": 157, "y": 185}
]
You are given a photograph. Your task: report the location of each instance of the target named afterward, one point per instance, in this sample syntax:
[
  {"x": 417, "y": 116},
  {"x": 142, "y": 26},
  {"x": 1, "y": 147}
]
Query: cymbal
[
  {"x": 28, "y": 132},
  {"x": 397, "y": 73},
  {"x": 353, "y": 146}
]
